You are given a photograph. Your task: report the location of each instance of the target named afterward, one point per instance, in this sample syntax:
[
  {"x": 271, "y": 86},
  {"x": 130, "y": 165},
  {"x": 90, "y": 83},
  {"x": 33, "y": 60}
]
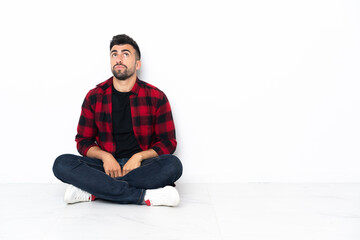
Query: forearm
[
  {"x": 111, "y": 166},
  {"x": 150, "y": 153},
  {"x": 135, "y": 161},
  {"x": 97, "y": 152}
]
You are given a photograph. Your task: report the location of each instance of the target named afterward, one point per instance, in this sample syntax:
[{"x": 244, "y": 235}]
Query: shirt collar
[{"x": 108, "y": 83}]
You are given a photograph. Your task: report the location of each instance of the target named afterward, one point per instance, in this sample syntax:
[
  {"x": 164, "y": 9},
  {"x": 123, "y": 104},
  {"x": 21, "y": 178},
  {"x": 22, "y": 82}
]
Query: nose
[{"x": 118, "y": 59}]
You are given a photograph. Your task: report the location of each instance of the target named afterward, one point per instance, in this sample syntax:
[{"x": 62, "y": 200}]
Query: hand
[
  {"x": 111, "y": 166},
  {"x": 133, "y": 163}
]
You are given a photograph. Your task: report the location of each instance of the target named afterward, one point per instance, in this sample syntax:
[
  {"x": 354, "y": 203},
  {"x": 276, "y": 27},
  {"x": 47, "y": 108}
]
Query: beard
[{"x": 127, "y": 73}]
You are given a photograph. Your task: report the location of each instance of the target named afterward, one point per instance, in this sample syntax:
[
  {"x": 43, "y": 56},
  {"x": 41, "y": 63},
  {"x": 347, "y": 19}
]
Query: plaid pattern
[{"x": 151, "y": 117}]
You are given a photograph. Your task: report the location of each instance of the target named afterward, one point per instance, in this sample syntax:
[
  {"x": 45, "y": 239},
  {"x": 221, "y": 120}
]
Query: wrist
[
  {"x": 139, "y": 156},
  {"x": 106, "y": 156}
]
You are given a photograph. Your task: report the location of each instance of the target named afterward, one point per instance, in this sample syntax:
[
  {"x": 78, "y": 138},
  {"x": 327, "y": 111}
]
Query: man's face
[{"x": 123, "y": 61}]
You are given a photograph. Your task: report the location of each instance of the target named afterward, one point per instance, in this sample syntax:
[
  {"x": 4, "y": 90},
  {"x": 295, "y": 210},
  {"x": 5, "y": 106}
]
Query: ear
[{"x": 138, "y": 64}]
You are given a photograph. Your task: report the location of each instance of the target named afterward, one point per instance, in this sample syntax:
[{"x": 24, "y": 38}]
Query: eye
[
  {"x": 126, "y": 54},
  {"x": 114, "y": 55}
]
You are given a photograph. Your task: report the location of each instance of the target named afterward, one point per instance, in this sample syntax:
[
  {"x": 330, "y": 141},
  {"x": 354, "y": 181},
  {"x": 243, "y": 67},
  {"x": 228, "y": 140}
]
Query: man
[{"x": 126, "y": 136}]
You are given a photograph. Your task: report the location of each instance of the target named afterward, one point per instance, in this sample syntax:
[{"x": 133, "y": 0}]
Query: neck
[{"x": 124, "y": 85}]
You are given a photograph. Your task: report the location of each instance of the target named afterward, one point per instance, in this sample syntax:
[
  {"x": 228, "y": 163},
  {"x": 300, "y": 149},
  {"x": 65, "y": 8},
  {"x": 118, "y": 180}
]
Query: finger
[
  {"x": 117, "y": 173},
  {"x": 128, "y": 170}
]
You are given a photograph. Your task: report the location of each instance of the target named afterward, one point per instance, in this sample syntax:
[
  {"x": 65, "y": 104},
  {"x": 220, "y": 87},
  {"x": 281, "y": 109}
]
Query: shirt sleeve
[
  {"x": 164, "y": 129},
  {"x": 86, "y": 129}
]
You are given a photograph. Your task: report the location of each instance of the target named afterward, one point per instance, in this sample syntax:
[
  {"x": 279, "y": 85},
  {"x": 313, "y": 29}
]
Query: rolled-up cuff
[
  {"x": 141, "y": 198},
  {"x": 84, "y": 149}
]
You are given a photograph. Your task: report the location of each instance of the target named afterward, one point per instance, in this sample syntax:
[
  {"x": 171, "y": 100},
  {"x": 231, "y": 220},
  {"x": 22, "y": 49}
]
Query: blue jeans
[{"x": 88, "y": 174}]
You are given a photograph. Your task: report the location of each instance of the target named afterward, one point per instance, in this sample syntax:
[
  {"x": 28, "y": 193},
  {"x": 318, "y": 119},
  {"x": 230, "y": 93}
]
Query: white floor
[{"x": 207, "y": 211}]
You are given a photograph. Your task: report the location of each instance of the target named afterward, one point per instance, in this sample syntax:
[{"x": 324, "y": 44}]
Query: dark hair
[{"x": 125, "y": 39}]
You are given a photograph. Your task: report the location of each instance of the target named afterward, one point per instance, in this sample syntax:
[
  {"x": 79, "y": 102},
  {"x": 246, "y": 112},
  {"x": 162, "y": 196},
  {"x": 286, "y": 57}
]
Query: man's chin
[{"x": 120, "y": 77}]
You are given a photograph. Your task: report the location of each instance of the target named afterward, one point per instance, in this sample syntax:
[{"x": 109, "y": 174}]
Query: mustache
[{"x": 119, "y": 65}]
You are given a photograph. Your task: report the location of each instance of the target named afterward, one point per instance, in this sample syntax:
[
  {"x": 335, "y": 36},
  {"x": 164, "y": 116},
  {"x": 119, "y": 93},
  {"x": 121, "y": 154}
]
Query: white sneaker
[
  {"x": 74, "y": 195},
  {"x": 167, "y": 196}
]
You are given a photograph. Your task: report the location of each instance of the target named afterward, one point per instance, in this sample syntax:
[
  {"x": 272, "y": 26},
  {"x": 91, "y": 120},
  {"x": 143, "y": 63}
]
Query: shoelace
[{"x": 82, "y": 195}]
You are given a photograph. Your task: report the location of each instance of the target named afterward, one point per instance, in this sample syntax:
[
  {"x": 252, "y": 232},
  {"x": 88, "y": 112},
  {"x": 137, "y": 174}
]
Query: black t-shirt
[{"x": 123, "y": 133}]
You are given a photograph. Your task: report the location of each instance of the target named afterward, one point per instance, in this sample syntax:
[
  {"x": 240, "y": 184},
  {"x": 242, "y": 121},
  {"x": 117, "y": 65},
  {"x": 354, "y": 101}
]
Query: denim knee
[
  {"x": 62, "y": 165},
  {"x": 176, "y": 167}
]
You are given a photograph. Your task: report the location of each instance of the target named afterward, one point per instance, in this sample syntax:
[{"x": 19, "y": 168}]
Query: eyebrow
[{"x": 124, "y": 50}]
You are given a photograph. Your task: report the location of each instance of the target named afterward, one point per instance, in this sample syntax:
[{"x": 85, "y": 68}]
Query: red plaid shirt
[{"x": 151, "y": 117}]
